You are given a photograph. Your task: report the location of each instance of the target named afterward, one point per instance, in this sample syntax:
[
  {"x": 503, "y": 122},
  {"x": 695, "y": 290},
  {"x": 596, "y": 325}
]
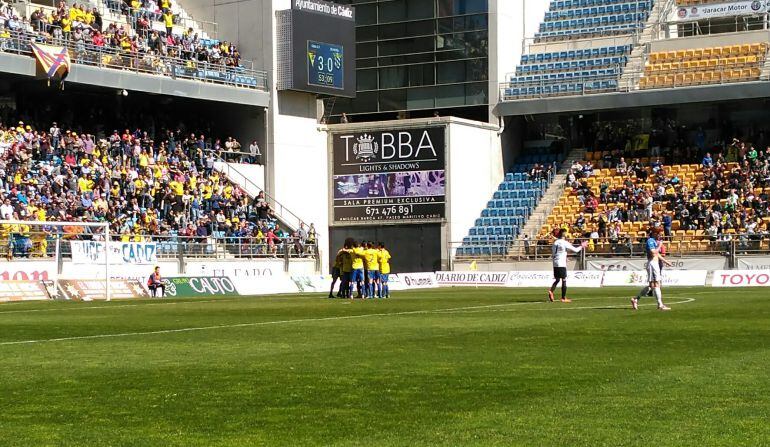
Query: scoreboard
[
  {"x": 325, "y": 65},
  {"x": 316, "y": 45}
]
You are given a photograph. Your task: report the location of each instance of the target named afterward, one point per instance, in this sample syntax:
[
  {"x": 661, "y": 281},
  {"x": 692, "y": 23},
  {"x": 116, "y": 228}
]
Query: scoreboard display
[
  {"x": 318, "y": 42},
  {"x": 325, "y": 65}
]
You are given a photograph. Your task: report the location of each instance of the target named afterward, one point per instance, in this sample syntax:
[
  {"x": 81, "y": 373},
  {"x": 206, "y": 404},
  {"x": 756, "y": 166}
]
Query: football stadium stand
[
  {"x": 550, "y": 69},
  {"x": 698, "y": 206},
  {"x": 511, "y": 205},
  {"x": 164, "y": 189},
  {"x": 696, "y": 66},
  {"x": 158, "y": 41}
]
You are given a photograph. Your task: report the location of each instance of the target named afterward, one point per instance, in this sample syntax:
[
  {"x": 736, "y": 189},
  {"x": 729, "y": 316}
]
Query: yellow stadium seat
[
  {"x": 755, "y": 72},
  {"x": 689, "y": 79},
  {"x": 712, "y": 63},
  {"x": 698, "y": 53},
  {"x": 678, "y": 55},
  {"x": 697, "y": 77},
  {"x": 689, "y": 55},
  {"x": 735, "y": 50},
  {"x": 745, "y": 49},
  {"x": 678, "y": 80},
  {"x": 716, "y": 52}
]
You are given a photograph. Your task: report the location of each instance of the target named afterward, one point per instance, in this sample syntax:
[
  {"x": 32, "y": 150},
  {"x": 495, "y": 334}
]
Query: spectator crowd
[
  {"x": 147, "y": 35},
  {"x": 724, "y": 200},
  {"x": 147, "y": 188}
]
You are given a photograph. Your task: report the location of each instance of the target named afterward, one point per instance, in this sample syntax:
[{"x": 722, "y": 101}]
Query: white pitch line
[
  {"x": 116, "y": 306},
  {"x": 301, "y": 320},
  {"x": 625, "y": 306}
]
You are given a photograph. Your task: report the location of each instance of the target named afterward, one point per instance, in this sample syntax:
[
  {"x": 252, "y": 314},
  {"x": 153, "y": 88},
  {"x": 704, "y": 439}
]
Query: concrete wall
[
  {"x": 510, "y": 22},
  {"x": 715, "y": 40},
  {"x": 475, "y": 170},
  {"x": 248, "y": 23}
]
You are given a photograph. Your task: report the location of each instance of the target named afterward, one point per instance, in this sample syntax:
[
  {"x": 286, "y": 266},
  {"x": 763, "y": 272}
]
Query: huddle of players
[{"x": 365, "y": 265}]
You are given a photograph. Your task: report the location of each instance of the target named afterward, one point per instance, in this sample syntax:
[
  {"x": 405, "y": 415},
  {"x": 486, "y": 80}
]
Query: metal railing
[
  {"x": 591, "y": 85},
  {"x": 148, "y": 63},
  {"x": 624, "y": 246},
  {"x": 37, "y": 245},
  {"x": 119, "y": 9},
  {"x": 237, "y": 177}
]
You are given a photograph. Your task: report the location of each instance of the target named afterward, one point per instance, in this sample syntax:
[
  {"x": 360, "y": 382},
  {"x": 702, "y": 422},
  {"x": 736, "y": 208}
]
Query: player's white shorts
[{"x": 653, "y": 271}]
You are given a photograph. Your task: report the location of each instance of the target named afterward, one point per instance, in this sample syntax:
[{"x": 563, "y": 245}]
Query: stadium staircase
[
  {"x": 512, "y": 204},
  {"x": 286, "y": 217},
  {"x": 550, "y": 198},
  {"x": 629, "y": 81}
]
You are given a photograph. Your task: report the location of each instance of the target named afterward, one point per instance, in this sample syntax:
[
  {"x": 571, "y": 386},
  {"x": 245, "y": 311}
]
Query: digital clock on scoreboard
[{"x": 325, "y": 65}]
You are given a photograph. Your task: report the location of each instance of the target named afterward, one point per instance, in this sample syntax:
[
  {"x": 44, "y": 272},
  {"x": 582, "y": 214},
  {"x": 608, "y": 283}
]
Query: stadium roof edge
[
  {"x": 148, "y": 83},
  {"x": 642, "y": 98},
  {"x": 407, "y": 123}
]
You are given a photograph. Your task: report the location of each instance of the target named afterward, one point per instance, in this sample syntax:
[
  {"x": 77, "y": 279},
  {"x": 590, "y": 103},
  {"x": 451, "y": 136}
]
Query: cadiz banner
[
  {"x": 741, "y": 278},
  {"x": 92, "y": 252},
  {"x": 726, "y": 9},
  {"x": 199, "y": 286},
  {"x": 394, "y": 175}
]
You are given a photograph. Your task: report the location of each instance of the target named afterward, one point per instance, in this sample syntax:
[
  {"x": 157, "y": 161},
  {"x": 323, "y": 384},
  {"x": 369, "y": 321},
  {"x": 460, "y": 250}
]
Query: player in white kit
[
  {"x": 559, "y": 258},
  {"x": 654, "y": 277}
]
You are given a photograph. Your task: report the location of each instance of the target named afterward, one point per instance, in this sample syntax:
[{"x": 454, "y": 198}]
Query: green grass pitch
[{"x": 448, "y": 367}]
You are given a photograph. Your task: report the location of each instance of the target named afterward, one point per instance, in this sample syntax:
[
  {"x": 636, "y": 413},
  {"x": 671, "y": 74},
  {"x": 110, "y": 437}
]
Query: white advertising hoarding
[
  {"x": 71, "y": 270},
  {"x": 671, "y": 278},
  {"x": 638, "y": 264},
  {"x": 472, "y": 278},
  {"x": 257, "y": 277},
  {"x": 754, "y": 263},
  {"x": 20, "y": 270},
  {"x": 725, "y": 9},
  {"x": 421, "y": 280},
  {"x": 588, "y": 279},
  {"x": 741, "y": 278}
]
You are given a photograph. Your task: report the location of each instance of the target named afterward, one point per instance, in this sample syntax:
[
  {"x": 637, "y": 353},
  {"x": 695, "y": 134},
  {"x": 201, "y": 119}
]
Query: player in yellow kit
[
  {"x": 372, "y": 271},
  {"x": 357, "y": 253},
  {"x": 383, "y": 256}
]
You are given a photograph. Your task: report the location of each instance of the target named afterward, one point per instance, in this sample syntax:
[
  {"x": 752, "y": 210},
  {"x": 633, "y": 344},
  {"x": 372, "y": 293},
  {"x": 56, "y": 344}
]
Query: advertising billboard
[{"x": 393, "y": 176}]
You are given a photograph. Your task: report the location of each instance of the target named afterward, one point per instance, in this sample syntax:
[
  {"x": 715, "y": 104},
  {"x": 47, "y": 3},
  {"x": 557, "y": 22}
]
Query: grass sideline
[{"x": 442, "y": 367}]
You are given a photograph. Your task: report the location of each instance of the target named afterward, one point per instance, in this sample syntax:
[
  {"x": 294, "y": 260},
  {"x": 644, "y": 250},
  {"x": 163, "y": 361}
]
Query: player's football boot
[
  {"x": 664, "y": 307},
  {"x": 550, "y": 296},
  {"x": 634, "y": 303},
  {"x": 566, "y": 300}
]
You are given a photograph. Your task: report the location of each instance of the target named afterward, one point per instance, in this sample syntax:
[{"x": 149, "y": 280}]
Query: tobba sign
[{"x": 389, "y": 175}]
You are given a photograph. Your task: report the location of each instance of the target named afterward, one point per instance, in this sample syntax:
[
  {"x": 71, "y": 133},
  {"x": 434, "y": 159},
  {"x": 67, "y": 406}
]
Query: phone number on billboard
[{"x": 389, "y": 212}]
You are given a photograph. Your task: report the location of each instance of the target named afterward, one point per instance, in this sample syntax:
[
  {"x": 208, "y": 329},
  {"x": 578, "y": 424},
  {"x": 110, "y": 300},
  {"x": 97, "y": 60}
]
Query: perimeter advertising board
[{"x": 394, "y": 176}]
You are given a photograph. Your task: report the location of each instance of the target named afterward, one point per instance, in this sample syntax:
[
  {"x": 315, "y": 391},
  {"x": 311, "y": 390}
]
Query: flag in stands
[
  {"x": 474, "y": 267},
  {"x": 54, "y": 60}
]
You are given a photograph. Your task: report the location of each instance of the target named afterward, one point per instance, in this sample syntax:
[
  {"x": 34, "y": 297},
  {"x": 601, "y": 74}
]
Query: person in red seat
[{"x": 155, "y": 283}]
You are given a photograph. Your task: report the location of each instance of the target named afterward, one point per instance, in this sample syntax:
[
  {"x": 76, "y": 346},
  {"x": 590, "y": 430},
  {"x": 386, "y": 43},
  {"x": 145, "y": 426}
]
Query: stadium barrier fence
[
  {"x": 175, "y": 68},
  {"x": 727, "y": 247}
]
